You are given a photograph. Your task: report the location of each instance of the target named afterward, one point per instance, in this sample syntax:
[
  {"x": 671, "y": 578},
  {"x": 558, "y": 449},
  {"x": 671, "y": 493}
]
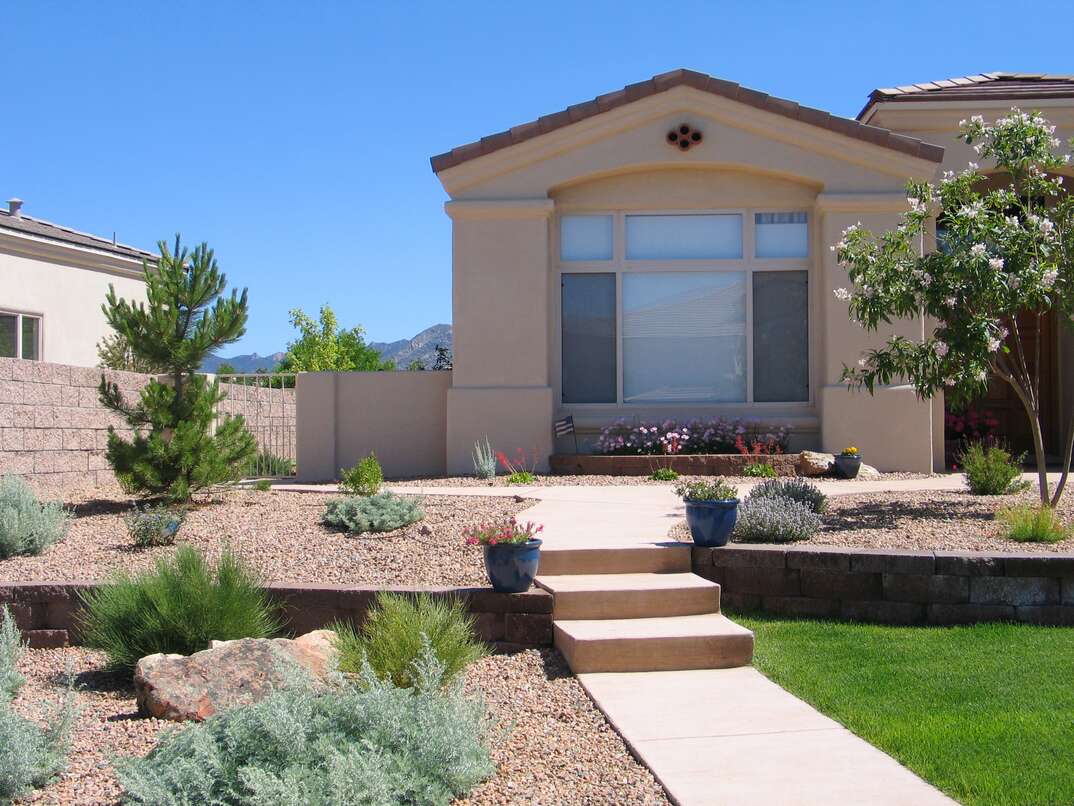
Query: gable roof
[
  {"x": 700, "y": 81},
  {"x": 999, "y": 86},
  {"x": 54, "y": 232}
]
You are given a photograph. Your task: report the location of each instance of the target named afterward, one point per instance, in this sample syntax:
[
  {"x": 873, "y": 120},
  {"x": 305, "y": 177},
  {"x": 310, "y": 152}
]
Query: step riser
[
  {"x": 621, "y": 604},
  {"x": 654, "y": 654},
  {"x": 669, "y": 560}
]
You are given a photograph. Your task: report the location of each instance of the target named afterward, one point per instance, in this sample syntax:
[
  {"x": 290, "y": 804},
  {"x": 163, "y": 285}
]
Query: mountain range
[{"x": 420, "y": 348}]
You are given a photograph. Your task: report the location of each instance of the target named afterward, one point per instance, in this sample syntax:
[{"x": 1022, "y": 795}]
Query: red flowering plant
[
  {"x": 508, "y": 531},
  {"x": 973, "y": 425},
  {"x": 518, "y": 470}
]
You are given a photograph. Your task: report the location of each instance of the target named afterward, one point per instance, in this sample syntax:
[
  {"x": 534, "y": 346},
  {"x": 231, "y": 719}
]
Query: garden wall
[
  {"x": 47, "y": 612},
  {"x": 909, "y": 587},
  {"x": 269, "y": 410}
]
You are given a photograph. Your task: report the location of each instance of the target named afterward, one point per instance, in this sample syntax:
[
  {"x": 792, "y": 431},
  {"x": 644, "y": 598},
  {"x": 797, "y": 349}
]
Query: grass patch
[
  {"x": 1027, "y": 524},
  {"x": 982, "y": 712}
]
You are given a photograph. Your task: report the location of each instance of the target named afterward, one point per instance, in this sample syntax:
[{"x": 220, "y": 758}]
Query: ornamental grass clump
[
  {"x": 30, "y": 756},
  {"x": 484, "y": 460},
  {"x": 796, "y": 489},
  {"x": 398, "y": 628},
  {"x": 385, "y": 512},
  {"x": 774, "y": 519},
  {"x": 1027, "y": 524},
  {"x": 364, "y": 743},
  {"x": 990, "y": 470},
  {"x": 178, "y": 607},
  {"x": 28, "y": 526}
]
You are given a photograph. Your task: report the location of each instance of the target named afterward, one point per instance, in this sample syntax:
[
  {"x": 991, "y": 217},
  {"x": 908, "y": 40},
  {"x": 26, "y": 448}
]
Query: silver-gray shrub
[
  {"x": 795, "y": 488},
  {"x": 384, "y": 512},
  {"x": 365, "y": 742},
  {"x": 774, "y": 519},
  {"x": 28, "y": 526},
  {"x": 29, "y": 755},
  {"x": 484, "y": 460}
]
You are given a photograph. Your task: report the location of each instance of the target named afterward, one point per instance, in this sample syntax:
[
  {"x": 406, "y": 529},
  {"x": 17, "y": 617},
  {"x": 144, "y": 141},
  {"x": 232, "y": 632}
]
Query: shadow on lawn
[{"x": 887, "y": 514}]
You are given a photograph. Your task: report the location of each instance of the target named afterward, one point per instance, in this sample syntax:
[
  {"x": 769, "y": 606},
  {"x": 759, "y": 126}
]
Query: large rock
[
  {"x": 228, "y": 674},
  {"x": 811, "y": 463},
  {"x": 868, "y": 473}
]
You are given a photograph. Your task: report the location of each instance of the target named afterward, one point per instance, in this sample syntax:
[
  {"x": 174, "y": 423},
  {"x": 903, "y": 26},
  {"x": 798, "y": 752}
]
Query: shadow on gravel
[{"x": 887, "y": 514}]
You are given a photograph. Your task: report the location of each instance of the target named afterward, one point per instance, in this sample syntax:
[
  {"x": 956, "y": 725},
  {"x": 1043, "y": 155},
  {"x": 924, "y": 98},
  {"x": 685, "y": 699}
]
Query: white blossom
[
  {"x": 978, "y": 250},
  {"x": 941, "y": 348},
  {"x": 842, "y": 293},
  {"x": 1049, "y": 278},
  {"x": 1015, "y": 283},
  {"x": 995, "y": 263},
  {"x": 993, "y": 345},
  {"x": 862, "y": 362}
]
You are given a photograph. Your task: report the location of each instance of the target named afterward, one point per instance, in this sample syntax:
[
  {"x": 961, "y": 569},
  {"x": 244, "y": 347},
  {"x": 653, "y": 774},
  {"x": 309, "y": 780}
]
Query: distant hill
[{"x": 421, "y": 348}]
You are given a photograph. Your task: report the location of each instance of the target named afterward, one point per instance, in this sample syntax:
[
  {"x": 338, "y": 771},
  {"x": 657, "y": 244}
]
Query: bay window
[
  {"x": 708, "y": 307},
  {"x": 20, "y": 336}
]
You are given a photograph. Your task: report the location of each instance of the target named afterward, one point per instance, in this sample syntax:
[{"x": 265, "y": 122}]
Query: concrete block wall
[{"x": 892, "y": 587}]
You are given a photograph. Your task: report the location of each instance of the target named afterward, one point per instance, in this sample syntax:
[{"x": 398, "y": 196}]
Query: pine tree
[
  {"x": 115, "y": 352},
  {"x": 172, "y": 452}
]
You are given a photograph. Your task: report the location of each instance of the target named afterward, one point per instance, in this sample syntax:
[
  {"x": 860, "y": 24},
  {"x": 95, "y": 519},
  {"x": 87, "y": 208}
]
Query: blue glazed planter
[
  {"x": 848, "y": 466},
  {"x": 711, "y": 522},
  {"x": 512, "y": 566}
]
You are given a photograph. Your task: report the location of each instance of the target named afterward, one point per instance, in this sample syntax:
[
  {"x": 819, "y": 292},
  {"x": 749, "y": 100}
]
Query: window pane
[
  {"x": 684, "y": 336},
  {"x": 585, "y": 237},
  {"x": 781, "y": 234},
  {"x": 8, "y": 333},
  {"x": 683, "y": 237},
  {"x": 589, "y": 338},
  {"x": 30, "y": 328},
  {"x": 780, "y": 336}
]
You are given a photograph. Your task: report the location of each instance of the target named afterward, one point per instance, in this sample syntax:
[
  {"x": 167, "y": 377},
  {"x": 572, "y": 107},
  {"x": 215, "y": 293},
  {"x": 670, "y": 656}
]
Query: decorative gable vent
[{"x": 684, "y": 136}]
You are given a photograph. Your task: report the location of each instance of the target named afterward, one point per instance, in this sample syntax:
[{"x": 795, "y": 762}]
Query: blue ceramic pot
[
  {"x": 711, "y": 522},
  {"x": 512, "y": 566},
  {"x": 848, "y": 466}
]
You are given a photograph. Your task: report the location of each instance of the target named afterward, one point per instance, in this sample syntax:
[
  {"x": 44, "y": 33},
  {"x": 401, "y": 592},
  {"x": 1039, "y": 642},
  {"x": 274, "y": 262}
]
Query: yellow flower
[{"x": 851, "y": 451}]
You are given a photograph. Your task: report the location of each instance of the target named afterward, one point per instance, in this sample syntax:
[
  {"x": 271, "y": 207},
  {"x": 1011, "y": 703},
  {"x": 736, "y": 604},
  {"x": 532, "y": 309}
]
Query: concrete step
[
  {"x": 668, "y": 559},
  {"x": 627, "y": 596},
  {"x": 709, "y": 641}
]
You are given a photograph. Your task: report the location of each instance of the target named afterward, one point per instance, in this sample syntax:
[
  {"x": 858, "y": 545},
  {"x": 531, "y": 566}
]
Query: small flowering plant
[
  {"x": 1004, "y": 258},
  {"x": 696, "y": 436},
  {"x": 850, "y": 450},
  {"x": 508, "y": 531},
  {"x": 702, "y": 490}
]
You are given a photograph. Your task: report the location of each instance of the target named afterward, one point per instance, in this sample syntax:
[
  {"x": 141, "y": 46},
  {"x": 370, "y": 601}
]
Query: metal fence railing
[{"x": 267, "y": 404}]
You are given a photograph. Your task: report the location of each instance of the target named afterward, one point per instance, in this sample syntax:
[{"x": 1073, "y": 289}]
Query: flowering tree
[{"x": 1002, "y": 253}]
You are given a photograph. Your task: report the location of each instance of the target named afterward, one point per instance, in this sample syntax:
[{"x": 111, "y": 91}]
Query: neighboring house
[
  {"x": 663, "y": 250},
  {"x": 53, "y": 281}
]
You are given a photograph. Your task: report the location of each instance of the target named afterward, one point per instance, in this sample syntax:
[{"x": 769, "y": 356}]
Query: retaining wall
[
  {"x": 700, "y": 464},
  {"x": 47, "y": 613},
  {"x": 908, "y": 587}
]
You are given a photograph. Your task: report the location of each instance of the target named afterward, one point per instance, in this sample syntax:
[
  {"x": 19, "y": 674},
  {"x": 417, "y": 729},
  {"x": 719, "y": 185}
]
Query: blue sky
[{"x": 295, "y": 137}]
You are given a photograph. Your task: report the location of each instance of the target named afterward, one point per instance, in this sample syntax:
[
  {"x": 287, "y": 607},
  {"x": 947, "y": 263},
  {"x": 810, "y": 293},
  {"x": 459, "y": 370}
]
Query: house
[
  {"x": 53, "y": 281},
  {"x": 663, "y": 250}
]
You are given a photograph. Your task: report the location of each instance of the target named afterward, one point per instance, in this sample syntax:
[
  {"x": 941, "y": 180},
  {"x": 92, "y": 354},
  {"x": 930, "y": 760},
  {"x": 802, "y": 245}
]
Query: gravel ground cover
[
  {"x": 280, "y": 534},
  {"x": 923, "y": 520},
  {"x": 591, "y": 481},
  {"x": 556, "y": 747}
]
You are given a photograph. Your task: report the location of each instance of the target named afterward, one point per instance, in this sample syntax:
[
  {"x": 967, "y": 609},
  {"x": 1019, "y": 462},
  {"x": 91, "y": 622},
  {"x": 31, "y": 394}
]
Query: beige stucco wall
[
  {"x": 66, "y": 287},
  {"x": 341, "y": 417}
]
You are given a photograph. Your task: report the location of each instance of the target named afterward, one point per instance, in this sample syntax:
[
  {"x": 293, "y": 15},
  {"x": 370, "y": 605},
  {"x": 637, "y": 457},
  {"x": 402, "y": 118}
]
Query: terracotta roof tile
[
  {"x": 700, "y": 81},
  {"x": 1015, "y": 87}
]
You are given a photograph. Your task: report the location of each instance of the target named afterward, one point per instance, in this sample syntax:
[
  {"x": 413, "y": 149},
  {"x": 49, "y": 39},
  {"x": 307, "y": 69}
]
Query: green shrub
[
  {"x": 484, "y": 460},
  {"x": 266, "y": 463},
  {"x": 702, "y": 490},
  {"x": 370, "y": 744},
  {"x": 154, "y": 526},
  {"x": 364, "y": 479},
  {"x": 759, "y": 470},
  {"x": 396, "y": 629},
  {"x": 797, "y": 489},
  {"x": 178, "y": 607},
  {"x": 521, "y": 477},
  {"x": 28, "y": 526},
  {"x": 664, "y": 474},
  {"x": 1028, "y": 524},
  {"x": 29, "y": 755},
  {"x": 990, "y": 470},
  {"x": 379, "y": 513},
  {"x": 774, "y": 519},
  {"x": 262, "y": 485}
]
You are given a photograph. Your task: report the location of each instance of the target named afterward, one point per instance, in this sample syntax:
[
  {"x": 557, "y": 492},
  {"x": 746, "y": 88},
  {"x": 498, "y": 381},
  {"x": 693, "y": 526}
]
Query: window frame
[
  {"x": 619, "y": 265},
  {"x": 19, "y": 316}
]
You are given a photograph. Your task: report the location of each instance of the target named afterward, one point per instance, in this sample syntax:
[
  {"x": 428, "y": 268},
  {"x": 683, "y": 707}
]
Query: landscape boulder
[
  {"x": 811, "y": 463},
  {"x": 229, "y": 674},
  {"x": 868, "y": 473}
]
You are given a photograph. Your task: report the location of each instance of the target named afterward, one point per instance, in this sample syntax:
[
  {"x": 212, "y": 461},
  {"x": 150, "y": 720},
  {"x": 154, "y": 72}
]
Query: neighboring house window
[
  {"x": 20, "y": 336},
  {"x": 708, "y": 307}
]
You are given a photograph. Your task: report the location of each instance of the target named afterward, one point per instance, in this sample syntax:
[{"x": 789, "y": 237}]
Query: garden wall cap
[
  {"x": 996, "y": 86},
  {"x": 699, "y": 81}
]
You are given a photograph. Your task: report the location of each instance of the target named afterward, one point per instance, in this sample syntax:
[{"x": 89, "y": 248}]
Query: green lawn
[{"x": 986, "y": 713}]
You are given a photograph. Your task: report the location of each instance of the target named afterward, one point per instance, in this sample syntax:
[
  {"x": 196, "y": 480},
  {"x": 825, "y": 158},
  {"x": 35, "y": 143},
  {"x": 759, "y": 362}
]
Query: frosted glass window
[
  {"x": 683, "y": 237},
  {"x": 585, "y": 237},
  {"x": 589, "y": 373},
  {"x": 684, "y": 337},
  {"x": 9, "y": 335},
  {"x": 780, "y": 336},
  {"x": 781, "y": 235}
]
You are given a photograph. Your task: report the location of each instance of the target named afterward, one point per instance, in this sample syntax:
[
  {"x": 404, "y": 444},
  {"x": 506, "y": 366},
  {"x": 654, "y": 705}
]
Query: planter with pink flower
[{"x": 512, "y": 552}]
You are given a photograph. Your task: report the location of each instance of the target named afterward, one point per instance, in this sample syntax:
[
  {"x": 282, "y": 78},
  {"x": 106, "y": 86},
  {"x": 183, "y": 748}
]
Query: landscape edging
[
  {"x": 892, "y": 587},
  {"x": 47, "y": 612}
]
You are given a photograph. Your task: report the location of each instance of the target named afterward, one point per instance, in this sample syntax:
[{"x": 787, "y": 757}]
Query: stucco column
[
  {"x": 315, "y": 426},
  {"x": 501, "y": 321},
  {"x": 893, "y": 428}
]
